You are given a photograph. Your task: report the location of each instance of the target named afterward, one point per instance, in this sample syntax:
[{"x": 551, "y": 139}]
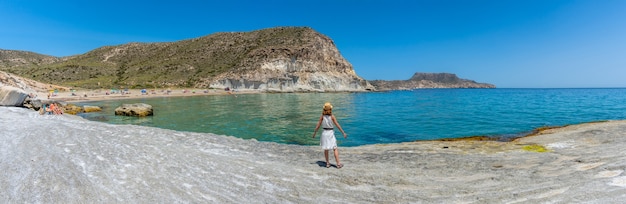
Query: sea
[{"x": 377, "y": 117}]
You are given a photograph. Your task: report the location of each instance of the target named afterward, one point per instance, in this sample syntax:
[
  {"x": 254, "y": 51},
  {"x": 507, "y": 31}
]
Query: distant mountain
[
  {"x": 429, "y": 80},
  {"x": 276, "y": 59}
]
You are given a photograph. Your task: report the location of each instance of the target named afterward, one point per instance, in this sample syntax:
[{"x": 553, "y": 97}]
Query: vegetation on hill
[
  {"x": 289, "y": 55},
  {"x": 15, "y": 58},
  {"x": 179, "y": 64}
]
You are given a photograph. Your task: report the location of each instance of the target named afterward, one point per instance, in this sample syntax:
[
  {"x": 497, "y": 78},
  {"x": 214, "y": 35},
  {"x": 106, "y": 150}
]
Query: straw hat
[{"x": 328, "y": 106}]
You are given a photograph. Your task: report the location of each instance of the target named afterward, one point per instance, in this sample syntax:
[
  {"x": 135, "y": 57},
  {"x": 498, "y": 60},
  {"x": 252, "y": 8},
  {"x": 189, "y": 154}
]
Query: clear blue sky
[{"x": 523, "y": 43}]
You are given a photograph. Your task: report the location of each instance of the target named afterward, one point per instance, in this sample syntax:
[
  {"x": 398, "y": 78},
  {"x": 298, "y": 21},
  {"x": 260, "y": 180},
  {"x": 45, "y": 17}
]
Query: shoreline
[
  {"x": 534, "y": 132},
  {"x": 101, "y": 95}
]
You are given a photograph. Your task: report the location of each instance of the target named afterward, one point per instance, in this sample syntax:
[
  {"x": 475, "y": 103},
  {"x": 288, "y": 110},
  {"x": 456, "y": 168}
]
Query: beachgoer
[
  {"x": 328, "y": 140},
  {"x": 48, "y": 109},
  {"x": 59, "y": 110},
  {"x": 52, "y": 108},
  {"x": 55, "y": 109},
  {"x": 44, "y": 109}
]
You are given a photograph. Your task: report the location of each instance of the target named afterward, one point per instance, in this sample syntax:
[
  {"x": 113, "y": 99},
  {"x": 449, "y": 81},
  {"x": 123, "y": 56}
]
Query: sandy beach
[
  {"x": 43, "y": 91},
  {"x": 66, "y": 159},
  {"x": 107, "y": 94}
]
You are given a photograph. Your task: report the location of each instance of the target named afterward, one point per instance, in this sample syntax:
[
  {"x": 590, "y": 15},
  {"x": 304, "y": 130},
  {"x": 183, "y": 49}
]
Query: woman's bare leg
[
  {"x": 337, "y": 157},
  {"x": 326, "y": 156}
]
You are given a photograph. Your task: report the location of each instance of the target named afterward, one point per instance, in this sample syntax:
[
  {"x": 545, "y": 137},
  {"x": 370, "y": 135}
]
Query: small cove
[{"x": 376, "y": 117}]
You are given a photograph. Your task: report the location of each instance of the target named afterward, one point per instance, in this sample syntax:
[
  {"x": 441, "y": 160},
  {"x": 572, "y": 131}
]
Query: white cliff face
[
  {"x": 317, "y": 66},
  {"x": 285, "y": 76}
]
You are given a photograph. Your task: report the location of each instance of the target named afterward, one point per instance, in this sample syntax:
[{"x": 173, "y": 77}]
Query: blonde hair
[{"x": 328, "y": 109}]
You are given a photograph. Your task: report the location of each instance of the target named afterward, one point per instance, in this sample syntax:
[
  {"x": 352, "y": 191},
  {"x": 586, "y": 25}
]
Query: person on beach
[
  {"x": 52, "y": 109},
  {"x": 328, "y": 140},
  {"x": 55, "y": 109},
  {"x": 44, "y": 109}
]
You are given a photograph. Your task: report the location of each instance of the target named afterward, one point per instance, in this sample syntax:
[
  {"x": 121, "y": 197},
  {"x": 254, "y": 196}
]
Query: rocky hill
[
  {"x": 15, "y": 58},
  {"x": 280, "y": 59},
  {"x": 429, "y": 80}
]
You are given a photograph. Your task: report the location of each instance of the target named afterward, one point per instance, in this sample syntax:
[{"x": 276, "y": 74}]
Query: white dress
[{"x": 328, "y": 140}]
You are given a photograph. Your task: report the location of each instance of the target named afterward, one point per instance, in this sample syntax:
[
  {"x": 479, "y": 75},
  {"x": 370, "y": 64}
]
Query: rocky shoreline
[{"x": 66, "y": 159}]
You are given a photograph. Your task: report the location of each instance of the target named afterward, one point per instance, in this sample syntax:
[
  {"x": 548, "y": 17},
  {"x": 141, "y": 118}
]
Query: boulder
[
  {"x": 72, "y": 109},
  {"x": 33, "y": 104},
  {"x": 11, "y": 96},
  {"x": 89, "y": 109},
  {"x": 136, "y": 109}
]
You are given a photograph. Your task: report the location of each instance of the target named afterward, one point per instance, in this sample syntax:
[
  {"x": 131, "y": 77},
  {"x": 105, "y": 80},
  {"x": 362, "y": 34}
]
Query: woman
[{"x": 328, "y": 140}]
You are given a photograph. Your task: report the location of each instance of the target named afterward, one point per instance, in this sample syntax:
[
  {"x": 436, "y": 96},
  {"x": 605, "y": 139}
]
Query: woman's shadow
[{"x": 323, "y": 164}]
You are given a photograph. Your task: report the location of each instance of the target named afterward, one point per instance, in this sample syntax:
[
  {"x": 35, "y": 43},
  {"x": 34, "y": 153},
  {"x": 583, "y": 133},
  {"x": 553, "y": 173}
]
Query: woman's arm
[
  {"x": 318, "y": 126},
  {"x": 339, "y": 126}
]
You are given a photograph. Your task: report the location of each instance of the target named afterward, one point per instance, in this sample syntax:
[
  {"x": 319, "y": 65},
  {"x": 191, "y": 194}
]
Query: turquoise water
[{"x": 380, "y": 117}]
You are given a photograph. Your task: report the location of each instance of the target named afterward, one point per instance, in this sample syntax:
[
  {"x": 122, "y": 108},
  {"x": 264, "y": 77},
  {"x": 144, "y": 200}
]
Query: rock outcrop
[
  {"x": 89, "y": 109},
  {"x": 136, "y": 109},
  {"x": 72, "y": 109},
  {"x": 315, "y": 65},
  {"x": 33, "y": 104},
  {"x": 429, "y": 80},
  {"x": 11, "y": 96}
]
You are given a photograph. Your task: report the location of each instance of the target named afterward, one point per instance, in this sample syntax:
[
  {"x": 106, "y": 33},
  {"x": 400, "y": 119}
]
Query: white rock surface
[{"x": 65, "y": 159}]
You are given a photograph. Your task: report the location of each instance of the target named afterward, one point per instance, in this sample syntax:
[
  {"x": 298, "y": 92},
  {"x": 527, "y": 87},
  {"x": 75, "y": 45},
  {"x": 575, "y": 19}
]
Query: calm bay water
[{"x": 381, "y": 117}]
